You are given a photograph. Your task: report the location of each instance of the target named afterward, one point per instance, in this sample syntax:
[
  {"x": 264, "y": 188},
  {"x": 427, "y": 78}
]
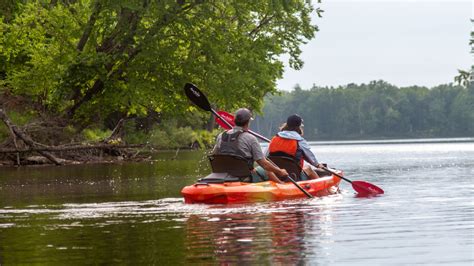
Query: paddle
[
  {"x": 228, "y": 117},
  {"x": 198, "y": 98},
  {"x": 229, "y": 123},
  {"x": 362, "y": 187}
]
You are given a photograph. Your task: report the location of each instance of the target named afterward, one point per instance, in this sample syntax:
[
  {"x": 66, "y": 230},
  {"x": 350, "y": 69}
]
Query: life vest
[
  {"x": 286, "y": 147},
  {"x": 230, "y": 145}
]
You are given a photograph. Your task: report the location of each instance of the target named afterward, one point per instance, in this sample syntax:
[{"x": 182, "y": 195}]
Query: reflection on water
[
  {"x": 235, "y": 238},
  {"x": 280, "y": 234},
  {"x": 275, "y": 232},
  {"x": 133, "y": 213}
]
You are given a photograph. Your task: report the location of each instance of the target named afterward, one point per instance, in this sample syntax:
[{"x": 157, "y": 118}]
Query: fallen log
[
  {"x": 71, "y": 148},
  {"x": 116, "y": 132},
  {"x": 26, "y": 139}
]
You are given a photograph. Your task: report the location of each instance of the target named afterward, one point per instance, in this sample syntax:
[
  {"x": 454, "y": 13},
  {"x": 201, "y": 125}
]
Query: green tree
[
  {"x": 465, "y": 77},
  {"x": 462, "y": 112},
  {"x": 89, "y": 58},
  {"x": 374, "y": 110}
]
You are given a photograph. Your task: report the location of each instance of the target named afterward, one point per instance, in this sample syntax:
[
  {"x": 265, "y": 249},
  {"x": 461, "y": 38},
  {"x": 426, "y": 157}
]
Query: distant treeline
[{"x": 374, "y": 110}]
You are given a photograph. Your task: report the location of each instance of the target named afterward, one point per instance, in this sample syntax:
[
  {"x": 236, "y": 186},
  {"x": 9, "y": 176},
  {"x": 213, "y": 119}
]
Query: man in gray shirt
[{"x": 238, "y": 141}]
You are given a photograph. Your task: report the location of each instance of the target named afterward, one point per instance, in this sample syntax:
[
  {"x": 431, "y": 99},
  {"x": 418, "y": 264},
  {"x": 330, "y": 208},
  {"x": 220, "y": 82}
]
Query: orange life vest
[{"x": 286, "y": 147}]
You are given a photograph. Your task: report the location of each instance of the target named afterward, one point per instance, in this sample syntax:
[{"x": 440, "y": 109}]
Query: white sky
[{"x": 404, "y": 42}]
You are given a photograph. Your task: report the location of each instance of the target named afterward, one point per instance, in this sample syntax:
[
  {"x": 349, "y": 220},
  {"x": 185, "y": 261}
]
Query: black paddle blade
[{"x": 196, "y": 96}]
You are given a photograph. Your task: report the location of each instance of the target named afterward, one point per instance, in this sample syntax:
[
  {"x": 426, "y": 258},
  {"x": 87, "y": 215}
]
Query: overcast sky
[{"x": 404, "y": 42}]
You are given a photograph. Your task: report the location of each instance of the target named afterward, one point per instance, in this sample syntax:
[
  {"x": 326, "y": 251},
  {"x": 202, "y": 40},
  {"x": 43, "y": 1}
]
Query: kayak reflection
[{"x": 278, "y": 237}]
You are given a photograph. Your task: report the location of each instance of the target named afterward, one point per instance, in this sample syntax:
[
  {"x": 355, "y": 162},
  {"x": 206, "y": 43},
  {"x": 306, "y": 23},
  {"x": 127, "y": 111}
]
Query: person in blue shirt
[{"x": 290, "y": 142}]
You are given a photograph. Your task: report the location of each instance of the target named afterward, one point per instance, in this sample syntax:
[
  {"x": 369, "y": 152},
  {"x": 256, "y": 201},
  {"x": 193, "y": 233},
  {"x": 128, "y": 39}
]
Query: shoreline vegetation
[
  {"x": 375, "y": 110},
  {"x": 20, "y": 149},
  {"x": 32, "y": 135},
  {"x": 91, "y": 81}
]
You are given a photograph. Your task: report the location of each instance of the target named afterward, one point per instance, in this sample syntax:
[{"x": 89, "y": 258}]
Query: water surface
[{"x": 133, "y": 213}]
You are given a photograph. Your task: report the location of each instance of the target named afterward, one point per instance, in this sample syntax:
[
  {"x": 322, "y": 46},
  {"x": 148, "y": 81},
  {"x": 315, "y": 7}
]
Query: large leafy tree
[{"x": 88, "y": 58}]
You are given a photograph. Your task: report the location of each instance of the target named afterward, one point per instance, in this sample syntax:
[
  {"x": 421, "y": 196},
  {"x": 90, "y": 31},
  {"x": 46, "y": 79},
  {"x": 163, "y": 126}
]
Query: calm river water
[{"x": 133, "y": 213}]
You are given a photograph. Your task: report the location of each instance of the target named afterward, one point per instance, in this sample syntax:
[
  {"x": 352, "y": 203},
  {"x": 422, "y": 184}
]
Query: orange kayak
[{"x": 239, "y": 192}]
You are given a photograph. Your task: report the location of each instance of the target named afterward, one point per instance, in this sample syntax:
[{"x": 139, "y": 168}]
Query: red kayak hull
[{"x": 238, "y": 192}]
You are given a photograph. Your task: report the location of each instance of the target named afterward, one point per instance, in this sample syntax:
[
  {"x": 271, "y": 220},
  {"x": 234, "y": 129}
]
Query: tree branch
[
  {"x": 265, "y": 21},
  {"x": 89, "y": 26},
  {"x": 109, "y": 46}
]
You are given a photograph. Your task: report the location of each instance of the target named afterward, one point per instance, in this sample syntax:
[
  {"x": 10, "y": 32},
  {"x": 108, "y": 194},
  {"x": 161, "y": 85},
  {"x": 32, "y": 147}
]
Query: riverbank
[
  {"x": 32, "y": 135},
  {"x": 94, "y": 154}
]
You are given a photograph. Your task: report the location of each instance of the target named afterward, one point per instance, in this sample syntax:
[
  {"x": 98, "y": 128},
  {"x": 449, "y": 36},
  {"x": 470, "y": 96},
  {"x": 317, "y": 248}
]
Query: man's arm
[
  {"x": 257, "y": 155},
  {"x": 268, "y": 166}
]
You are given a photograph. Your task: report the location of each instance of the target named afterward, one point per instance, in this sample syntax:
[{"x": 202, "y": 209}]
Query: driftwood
[
  {"x": 71, "y": 148},
  {"x": 16, "y": 132},
  {"x": 23, "y": 146},
  {"x": 116, "y": 132},
  {"x": 16, "y": 145}
]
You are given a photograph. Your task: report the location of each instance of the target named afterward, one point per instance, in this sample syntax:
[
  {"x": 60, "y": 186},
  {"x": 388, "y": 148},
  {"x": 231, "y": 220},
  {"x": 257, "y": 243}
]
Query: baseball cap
[
  {"x": 294, "y": 120},
  {"x": 242, "y": 116}
]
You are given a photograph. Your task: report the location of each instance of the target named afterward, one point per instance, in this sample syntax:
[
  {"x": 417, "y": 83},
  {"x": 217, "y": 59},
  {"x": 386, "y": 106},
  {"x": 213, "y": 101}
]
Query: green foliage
[
  {"x": 95, "y": 134},
  {"x": 464, "y": 77},
  {"x": 169, "y": 135},
  {"x": 3, "y": 132},
  {"x": 374, "y": 110},
  {"x": 205, "y": 139},
  {"x": 165, "y": 138},
  {"x": 19, "y": 118},
  {"x": 136, "y": 137},
  {"x": 90, "y": 58},
  {"x": 8, "y": 8}
]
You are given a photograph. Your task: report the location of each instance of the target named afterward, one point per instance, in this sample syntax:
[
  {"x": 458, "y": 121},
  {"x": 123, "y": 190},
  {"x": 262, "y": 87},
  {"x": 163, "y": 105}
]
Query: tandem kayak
[{"x": 240, "y": 192}]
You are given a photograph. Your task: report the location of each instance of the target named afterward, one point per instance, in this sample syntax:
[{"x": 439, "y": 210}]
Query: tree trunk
[
  {"x": 117, "y": 132},
  {"x": 90, "y": 25},
  {"x": 96, "y": 88},
  {"x": 119, "y": 41},
  {"x": 116, "y": 43}
]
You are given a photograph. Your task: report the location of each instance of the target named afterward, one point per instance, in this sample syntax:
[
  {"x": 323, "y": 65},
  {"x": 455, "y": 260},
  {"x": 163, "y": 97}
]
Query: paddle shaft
[
  {"x": 334, "y": 173},
  {"x": 258, "y": 135},
  {"x": 298, "y": 186}
]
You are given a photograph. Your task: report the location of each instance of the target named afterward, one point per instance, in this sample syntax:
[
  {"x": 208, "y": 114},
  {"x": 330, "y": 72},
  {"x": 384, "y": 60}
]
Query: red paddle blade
[
  {"x": 366, "y": 189},
  {"x": 228, "y": 117}
]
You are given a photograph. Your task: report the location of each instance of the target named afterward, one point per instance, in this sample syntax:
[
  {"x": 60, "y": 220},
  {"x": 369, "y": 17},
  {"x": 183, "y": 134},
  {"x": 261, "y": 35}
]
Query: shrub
[
  {"x": 95, "y": 134},
  {"x": 169, "y": 135},
  {"x": 204, "y": 138},
  {"x": 17, "y": 118}
]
